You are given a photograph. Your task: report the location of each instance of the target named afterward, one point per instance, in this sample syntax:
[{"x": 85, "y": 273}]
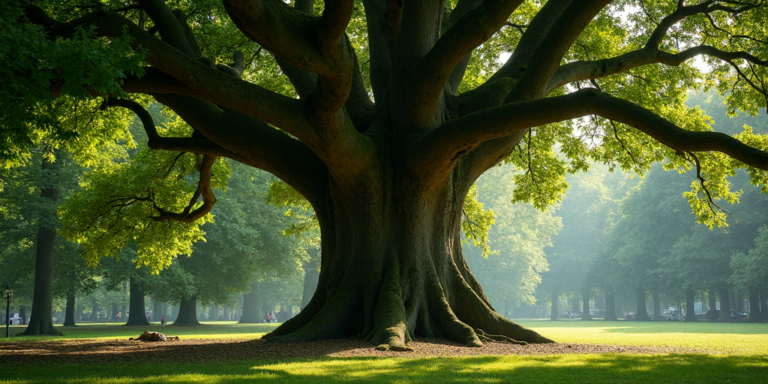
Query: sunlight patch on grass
[{"x": 730, "y": 338}]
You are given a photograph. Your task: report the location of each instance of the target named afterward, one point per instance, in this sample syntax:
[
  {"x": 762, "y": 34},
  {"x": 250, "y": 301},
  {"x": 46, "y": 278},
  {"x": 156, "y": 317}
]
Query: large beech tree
[{"x": 386, "y": 149}]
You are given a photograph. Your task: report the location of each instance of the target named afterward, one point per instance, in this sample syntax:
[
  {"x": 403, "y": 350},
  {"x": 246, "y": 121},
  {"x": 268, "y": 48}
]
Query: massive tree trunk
[
  {"x": 610, "y": 307},
  {"x": 754, "y": 306},
  {"x": 585, "y": 304},
  {"x": 642, "y": 312},
  {"x": 69, "y": 317},
  {"x": 554, "y": 294},
  {"x": 690, "y": 302},
  {"x": 656, "y": 307},
  {"x": 136, "y": 312},
  {"x": 725, "y": 305},
  {"x": 311, "y": 276},
  {"x": 251, "y": 309},
  {"x": 187, "y": 315},
  {"x": 41, "y": 322}
]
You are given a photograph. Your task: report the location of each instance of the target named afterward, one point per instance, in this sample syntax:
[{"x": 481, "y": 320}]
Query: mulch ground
[{"x": 209, "y": 350}]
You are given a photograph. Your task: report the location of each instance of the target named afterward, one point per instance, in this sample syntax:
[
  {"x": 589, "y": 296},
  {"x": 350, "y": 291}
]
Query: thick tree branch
[
  {"x": 441, "y": 148},
  {"x": 254, "y": 143},
  {"x": 589, "y": 70},
  {"x": 204, "y": 81},
  {"x": 181, "y": 144},
  {"x": 379, "y": 31},
  {"x": 553, "y": 48},
  {"x": 650, "y": 53},
  {"x": 431, "y": 74}
]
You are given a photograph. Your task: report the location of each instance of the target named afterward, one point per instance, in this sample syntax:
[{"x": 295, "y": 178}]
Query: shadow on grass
[{"x": 609, "y": 368}]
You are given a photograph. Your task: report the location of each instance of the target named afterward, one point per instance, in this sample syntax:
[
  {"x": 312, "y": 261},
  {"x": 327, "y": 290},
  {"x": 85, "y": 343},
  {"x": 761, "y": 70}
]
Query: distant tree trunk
[
  {"x": 79, "y": 313},
  {"x": 23, "y": 314},
  {"x": 311, "y": 277},
  {"x": 754, "y": 306},
  {"x": 712, "y": 294},
  {"x": 41, "y": 322},
  {"x": 585, "y": 304},
  {"x": 251, "y": 309},
  {"x": 187, "y": 315},
  {"x": 764, "y": 304},
  {"x": 690, "y": 301},
  {"x": 656, "y": 307},
  {"x": 642, "y": 312},
  {"x": 157, "y": 310},
  {"x": 555, "y": 294},
  {"x": 725, "y": 305},
  {"x": 115, "y": 309},
  {"x": 740, "y": 298},
  {"x": 574, "y": 304},
  {"x": 610, "y": 307},
  {"x": 69, "y": 318},
  {"x": 212, "y": 313},
  {"x": 94, "y": 310},
  {"x": 137, "y": 315}
]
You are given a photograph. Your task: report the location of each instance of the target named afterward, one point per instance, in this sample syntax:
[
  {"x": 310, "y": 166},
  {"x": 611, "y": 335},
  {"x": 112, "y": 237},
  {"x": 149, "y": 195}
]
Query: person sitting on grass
[{"x": 154, "y": 336}]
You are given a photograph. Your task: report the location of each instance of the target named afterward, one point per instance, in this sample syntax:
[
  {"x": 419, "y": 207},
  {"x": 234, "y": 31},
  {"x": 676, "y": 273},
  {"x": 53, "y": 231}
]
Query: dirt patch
[{"x": 203, "y": 350}]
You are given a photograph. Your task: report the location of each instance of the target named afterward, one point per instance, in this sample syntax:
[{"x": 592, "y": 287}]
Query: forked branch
[{"x": 190, "y": 213}]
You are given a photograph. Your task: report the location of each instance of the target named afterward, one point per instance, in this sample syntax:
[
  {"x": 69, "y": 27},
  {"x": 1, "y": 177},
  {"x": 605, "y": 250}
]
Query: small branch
[
  {"x": 710, "y": 202},
  {"x": 188, "y": 215}
]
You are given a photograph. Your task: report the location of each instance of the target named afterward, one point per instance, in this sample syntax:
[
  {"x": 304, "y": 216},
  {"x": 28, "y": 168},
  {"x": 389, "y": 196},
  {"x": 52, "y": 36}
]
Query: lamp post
[{"x": 7, "y": 296}]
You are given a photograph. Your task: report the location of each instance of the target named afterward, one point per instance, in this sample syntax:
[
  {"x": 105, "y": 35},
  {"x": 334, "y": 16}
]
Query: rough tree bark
[
  {"x": 388, "y": 179},
  {"x": 642, "y": 312},
  {"x": 690, "y": 302},
  {"x": 725, "y": 305},
  {"x": 41, "y": 321},
  {"x": 187, "y": 313},
  {"x": 136, "y": 311},
  {"x": 610, "y": 307},
  {"x": 251, "y": 309}
]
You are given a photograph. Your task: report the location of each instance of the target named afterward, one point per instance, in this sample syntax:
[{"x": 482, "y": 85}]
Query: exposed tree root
[{"x": 487, "y": 337}]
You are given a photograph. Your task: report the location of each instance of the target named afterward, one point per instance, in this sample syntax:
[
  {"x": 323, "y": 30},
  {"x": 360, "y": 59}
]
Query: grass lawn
[{"x": 741, "y": 356}]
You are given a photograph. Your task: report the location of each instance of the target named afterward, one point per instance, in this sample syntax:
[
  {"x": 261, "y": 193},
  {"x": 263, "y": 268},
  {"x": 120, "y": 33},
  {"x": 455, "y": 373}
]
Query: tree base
[{"x": 47, "y": 330}]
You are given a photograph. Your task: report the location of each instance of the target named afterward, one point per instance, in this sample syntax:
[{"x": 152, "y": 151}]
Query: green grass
[
  {"x": 733, "y": 338},
  {"x": 742, "y": 357},
  {"x": 209, "y": 330}
]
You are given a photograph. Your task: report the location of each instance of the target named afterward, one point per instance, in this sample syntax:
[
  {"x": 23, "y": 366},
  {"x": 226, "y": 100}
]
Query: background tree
[{"x": 388, "y": 176}]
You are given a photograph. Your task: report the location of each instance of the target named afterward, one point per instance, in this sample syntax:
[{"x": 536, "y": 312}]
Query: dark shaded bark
[
  {"x": 115, "y": 310},
  {"x": 311, "y": 276},
  {"x": 642, "y": 313},
  {"x": 554, "y": 294},
  {"x": 754, "y": 306},
  {"x": 739, "y": 304},
  {"x": 41, "y": 321},
  {"x": 136, "y": 312},
  {"x": 585, "y": 304},
  {"x": 610, "y": 307},
  {"x": 187, "y": 313},
  {"x": 656, "y": 307},
  {"x": 712, "y": 295},
  {"x": 690, "y": 302},
  {"x": 251, "y": 308},
  {"x": 725, "y": 305},
  {"x": 69, "y": 317}
]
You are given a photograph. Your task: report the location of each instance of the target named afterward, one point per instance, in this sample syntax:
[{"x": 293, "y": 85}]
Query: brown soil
[{"x": 203, "y": 350}]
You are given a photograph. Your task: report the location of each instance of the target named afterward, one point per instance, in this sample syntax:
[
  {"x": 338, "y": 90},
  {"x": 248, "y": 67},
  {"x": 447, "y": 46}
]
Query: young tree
[{"x": 388, "y": 176}]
